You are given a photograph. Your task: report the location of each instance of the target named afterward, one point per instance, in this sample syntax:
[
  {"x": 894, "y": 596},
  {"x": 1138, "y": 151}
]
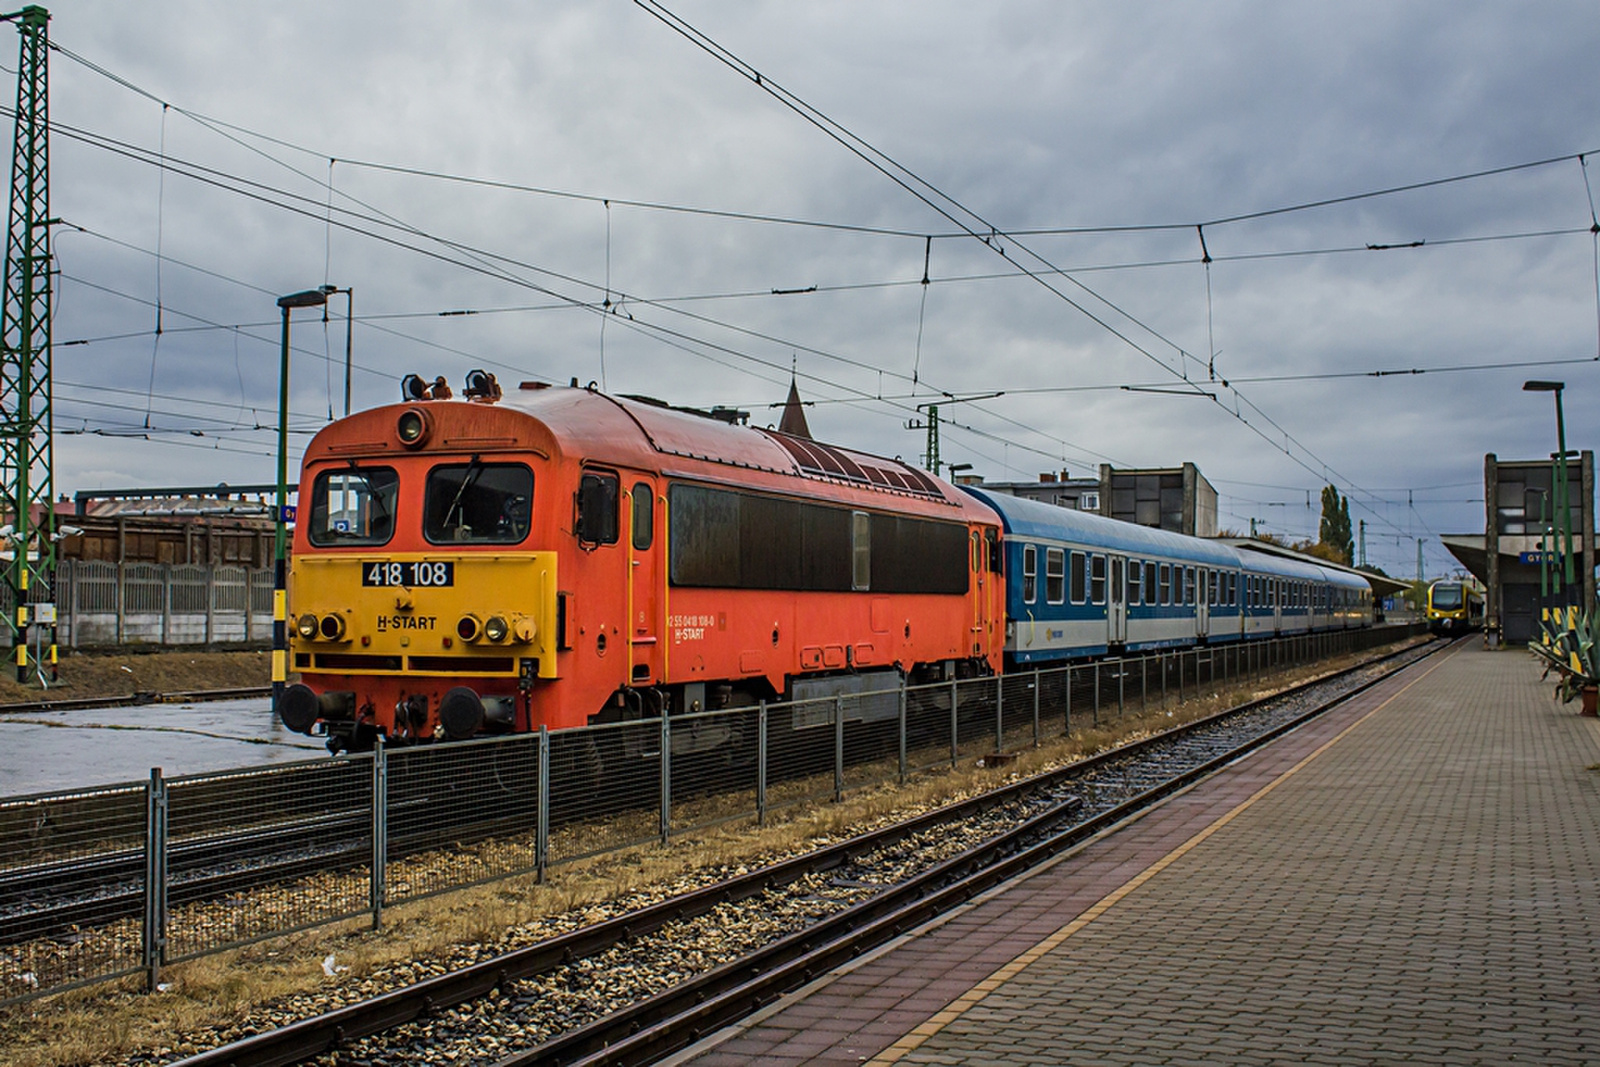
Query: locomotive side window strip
[
  {"x": 477, "y": 503},
  {"x": 726, "y": 539},
  {"x": 353, "y": 506}
]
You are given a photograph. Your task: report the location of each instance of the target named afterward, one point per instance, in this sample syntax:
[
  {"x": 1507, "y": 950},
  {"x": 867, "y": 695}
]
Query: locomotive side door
[
  {"x": 644, "y": 540},
  {"x": 1117, "y": 603}
]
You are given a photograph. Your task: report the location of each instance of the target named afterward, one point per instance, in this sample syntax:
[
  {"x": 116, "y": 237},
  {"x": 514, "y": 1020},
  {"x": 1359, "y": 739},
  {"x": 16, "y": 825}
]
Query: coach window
[
  {"x": 860, "y": 550},
  {"x": 354, "y": 506},
  {"x": 1150, "y": 594},
  {"x": 597, "y": 509},
  {"x": 644, "y": 516},
  {"x": 1097, "y": 578},
  {"x": 1166, "y": 583},
  {"x": 1054, "y": 580},
  {"x": 1030, "y": 573},
  {"x": 1135, "y": 582},
  {"x": 481, "y": 503},
  {"x": 1079, "y": 585},
  {"x": 1188, "y": 586}
]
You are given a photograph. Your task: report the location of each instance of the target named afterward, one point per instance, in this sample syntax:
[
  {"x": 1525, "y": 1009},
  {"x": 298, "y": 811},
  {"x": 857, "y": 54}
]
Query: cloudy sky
[{"x": 561, "y": 190}]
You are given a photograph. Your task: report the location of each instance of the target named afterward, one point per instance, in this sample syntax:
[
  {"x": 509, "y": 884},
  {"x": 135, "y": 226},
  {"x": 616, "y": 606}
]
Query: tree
[{"x": 1334, "y": 531}]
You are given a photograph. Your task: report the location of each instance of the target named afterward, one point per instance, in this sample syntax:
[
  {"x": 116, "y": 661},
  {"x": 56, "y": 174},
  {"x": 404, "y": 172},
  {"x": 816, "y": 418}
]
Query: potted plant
[{"x": 1575, "y": 656}]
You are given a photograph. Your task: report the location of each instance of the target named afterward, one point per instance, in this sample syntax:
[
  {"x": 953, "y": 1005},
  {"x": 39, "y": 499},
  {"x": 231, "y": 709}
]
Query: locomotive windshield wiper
[{"x": 474, "y": 468}]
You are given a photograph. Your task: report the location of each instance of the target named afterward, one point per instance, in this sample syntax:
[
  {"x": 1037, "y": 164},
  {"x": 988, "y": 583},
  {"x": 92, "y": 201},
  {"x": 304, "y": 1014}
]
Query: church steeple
[{"x": 794, "y": 414}]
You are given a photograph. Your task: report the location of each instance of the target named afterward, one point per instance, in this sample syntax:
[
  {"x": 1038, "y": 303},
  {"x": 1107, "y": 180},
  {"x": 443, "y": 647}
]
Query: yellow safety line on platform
[{"x": 958, "y": 1007}]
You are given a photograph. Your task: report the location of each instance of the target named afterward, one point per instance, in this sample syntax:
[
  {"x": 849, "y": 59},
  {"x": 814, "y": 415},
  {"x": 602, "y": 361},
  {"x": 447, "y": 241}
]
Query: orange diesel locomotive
[{"x": 559, "y": 557}]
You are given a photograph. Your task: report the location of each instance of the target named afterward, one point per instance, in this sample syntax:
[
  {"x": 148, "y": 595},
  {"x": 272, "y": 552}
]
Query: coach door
[
  {"x": 644, "y": 513},
  {"x": 1202, "y": 602},
  {"x": 1117, "y": 602}
]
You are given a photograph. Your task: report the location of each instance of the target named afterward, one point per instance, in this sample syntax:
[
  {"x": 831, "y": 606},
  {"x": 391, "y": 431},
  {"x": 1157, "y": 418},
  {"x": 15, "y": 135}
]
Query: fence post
[
  {"x": 1097, "y": 692},
  {"x": 1144, "y": 685},
  {"x": 155, "y": 878},
  {"x": 666, "y": 779},
  {"x": 380, "y": 828},
  {"x": 1122, "y": 675},
  {"x": 999, "y": 714},
  {"x": 953, "y": 734},
  {"x": 1066, "y": 726},
  {"x": 1036, "y": 707},
  {"x": 541, "y": 833},
  {"x": 121, "y": 597},
  {"x": 838, "y": 748},
  {"x": 761, "y": 764},
  {"x": 211, "y": 601},
  {"x": 166, "y": 603},
  {"x": 1179, "y": 658},
  {"x": 902, "y": 731}
]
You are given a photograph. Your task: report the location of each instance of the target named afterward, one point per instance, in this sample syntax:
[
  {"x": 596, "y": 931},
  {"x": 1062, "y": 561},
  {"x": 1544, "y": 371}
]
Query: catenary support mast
[{"x": 26, "y": 422}]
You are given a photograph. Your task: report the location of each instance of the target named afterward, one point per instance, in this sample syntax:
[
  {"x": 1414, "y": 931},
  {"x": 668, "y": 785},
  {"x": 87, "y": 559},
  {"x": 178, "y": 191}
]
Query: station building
[{"x": 1521, "y": 537}]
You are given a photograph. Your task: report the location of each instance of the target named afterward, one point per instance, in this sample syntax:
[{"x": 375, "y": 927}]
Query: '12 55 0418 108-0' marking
[
  {"x": 435, "y": 573},
  {"x": 690, "y": 627}
]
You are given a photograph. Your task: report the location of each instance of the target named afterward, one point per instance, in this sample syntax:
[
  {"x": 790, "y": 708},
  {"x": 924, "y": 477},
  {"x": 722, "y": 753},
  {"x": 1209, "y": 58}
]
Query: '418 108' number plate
[{"x": 409, "y": 573}]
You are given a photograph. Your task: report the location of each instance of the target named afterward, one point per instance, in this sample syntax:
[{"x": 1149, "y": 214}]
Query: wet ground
[{"x": 52, "y": 751}]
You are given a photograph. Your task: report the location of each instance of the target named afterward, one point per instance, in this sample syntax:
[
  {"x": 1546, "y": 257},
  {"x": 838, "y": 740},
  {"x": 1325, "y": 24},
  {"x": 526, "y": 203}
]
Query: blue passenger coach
[{"x": 1080, "y": 585}]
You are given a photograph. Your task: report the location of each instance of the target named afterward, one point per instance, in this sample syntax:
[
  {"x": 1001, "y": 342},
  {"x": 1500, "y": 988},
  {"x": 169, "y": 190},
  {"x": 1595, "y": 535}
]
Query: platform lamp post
[
  {"x": 349, "y": 330},
  {"x": 1562, "y": 503},
  {"x": 280, "y": 603}
]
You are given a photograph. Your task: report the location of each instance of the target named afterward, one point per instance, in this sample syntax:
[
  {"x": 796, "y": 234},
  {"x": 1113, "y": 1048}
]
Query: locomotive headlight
[
  {"x": 495, "y": 628},
  {"x": 468, "y": 628},
  {"x": 332, "y": 627},
  {"x": 306, "y": 626},
  {"x": 411, "y": 428}
]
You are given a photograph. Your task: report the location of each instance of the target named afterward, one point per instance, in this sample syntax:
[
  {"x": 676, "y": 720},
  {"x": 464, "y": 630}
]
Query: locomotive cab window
[
  {"x": 1030, "y": 573},
  {"x": 353, "y": 506},
  {"x": 597, "y": 508},
  {"x": 477, "y": 503}
]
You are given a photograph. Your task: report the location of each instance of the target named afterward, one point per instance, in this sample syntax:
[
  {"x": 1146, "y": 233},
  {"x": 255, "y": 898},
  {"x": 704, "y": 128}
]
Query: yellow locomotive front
[{"x": 420, "y": 601}]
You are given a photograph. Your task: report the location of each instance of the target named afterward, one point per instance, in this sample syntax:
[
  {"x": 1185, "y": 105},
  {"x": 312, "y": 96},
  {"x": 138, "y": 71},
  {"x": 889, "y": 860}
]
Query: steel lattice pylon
[{"x": 26, "y": 421}]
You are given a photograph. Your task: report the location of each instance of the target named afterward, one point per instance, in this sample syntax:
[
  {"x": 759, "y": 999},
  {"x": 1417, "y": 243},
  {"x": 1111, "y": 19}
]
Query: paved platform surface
[{"x": 1413, "y": 878}]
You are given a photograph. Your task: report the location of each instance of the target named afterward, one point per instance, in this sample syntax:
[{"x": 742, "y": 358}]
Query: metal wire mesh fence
[
  {"x": 108, "y": 882},
  {"x": 72, "y": 888},
  {"x": 251, "y": 854}
]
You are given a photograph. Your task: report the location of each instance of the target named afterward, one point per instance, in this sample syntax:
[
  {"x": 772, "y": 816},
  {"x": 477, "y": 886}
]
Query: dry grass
[
  {"x": 114, "y": 1021},
  {"x": 122, "y": 673}
]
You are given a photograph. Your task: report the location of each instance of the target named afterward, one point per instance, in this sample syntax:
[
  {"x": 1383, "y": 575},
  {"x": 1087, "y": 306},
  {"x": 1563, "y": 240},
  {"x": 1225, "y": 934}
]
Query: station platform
[{"x": 1414, "y": 877}]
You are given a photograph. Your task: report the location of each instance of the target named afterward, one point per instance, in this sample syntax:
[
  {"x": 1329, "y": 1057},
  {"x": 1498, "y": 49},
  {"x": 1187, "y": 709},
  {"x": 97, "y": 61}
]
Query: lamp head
[
  {"x": 310, "y": 298},
  {"x": 1543, "y": 387}
]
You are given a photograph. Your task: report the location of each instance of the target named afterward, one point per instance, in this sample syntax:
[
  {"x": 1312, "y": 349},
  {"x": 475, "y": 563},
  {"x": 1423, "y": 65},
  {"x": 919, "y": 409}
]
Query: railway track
[
  {"x": 132, "y": 700},
  {"x": 906, "y": 874}
]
